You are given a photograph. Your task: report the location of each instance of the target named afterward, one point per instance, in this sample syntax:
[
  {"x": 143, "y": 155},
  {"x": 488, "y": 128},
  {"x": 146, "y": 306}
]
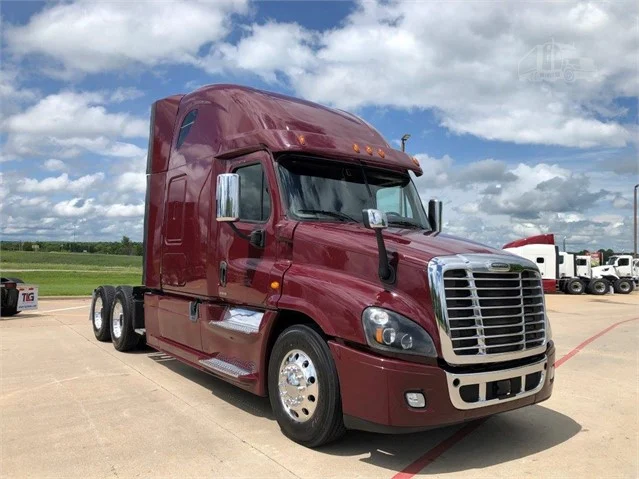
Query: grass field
[{"x": 73, "y": 274}]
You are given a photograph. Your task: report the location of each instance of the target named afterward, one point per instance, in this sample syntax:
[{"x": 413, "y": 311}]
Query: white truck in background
[
  {"x": 583, "y": 266},
  {"x": 563, "y": 272}
]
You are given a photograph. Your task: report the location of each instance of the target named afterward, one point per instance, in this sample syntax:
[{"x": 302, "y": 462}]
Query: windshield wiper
[
  {"x": 333, "y": 214},
  {"x": 408, "y": 224}
]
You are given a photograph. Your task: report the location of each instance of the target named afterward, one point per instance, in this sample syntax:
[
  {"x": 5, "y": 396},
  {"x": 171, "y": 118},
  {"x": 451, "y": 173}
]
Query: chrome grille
[{"x": 493, "y": 312}]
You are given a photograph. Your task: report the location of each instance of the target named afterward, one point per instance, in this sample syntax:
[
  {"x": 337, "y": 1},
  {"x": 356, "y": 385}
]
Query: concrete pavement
[{"x": 71, "y": 406}]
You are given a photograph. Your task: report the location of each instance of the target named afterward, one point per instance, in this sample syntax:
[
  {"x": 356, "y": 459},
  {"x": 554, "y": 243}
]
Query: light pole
[
  {"x": 635, "y": 230},
  {"x": 405, "y": 139}
]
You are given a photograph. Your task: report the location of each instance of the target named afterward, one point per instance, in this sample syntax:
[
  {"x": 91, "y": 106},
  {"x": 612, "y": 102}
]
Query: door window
[
  {"x": 255, "y": 202},
  {"x": 623, "y": 262}
]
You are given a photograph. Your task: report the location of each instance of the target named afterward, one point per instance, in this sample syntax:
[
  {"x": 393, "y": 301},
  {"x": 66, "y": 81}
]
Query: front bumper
[{"x": 373, "y": 391}]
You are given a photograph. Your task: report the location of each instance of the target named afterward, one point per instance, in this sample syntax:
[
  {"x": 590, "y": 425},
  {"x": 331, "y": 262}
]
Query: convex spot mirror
[
  {"x": 228, "y": 197},
  {"x": 374, "y": 219}
]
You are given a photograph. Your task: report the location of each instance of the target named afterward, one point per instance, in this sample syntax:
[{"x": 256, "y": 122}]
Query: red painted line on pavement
[{"x": 431, "y": 455}]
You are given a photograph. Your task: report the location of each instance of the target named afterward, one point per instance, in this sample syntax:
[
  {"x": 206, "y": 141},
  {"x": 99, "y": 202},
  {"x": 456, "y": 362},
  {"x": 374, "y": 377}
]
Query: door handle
[{"x": 222, "y": 272}]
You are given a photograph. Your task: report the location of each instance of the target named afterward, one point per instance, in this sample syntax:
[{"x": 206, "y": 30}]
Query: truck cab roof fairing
[{"x": 246, "y": 118}]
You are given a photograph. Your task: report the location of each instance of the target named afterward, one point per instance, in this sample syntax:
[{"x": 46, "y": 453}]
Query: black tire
[
  {"x": 623, "y": 286},
  {"x": 123, "y": 336},
  {"x": 598, "y": 287},
  {"x": 575, "y": 286},
  {"x": 102, "y": 324},
  {"x": 326, "y": 423},
  {"x": 9, "y": 305}
]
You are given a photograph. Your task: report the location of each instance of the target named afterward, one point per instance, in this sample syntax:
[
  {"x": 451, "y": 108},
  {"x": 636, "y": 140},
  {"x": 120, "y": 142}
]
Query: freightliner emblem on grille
[{"x": 499, "y": 267}]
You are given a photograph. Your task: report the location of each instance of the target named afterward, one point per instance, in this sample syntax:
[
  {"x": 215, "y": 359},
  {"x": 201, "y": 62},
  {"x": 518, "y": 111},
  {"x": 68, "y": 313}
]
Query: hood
[{"x": 411, "y": 245}]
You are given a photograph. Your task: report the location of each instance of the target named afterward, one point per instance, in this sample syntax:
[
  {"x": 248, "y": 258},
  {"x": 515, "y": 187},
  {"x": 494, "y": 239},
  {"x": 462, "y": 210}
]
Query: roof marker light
[
  {"x": 415, "y": 160},
  {"x": 302, "y": 140},
  {"x": 381, "y": 153},
  {"x": 369, "y": 150},
  {"x": 356, "y": 147}
]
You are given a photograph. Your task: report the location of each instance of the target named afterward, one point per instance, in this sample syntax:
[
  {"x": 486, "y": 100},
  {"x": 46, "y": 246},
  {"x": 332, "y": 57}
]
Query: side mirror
[
  {"x": 435, "y": 215},
  {"x": 374, "y": 219},
  {"x": 228, "y": 197}
]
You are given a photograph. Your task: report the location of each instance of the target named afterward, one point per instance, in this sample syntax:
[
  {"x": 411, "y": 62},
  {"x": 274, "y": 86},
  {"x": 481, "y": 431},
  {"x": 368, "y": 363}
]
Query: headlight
[{"x": 389, "y": 331}]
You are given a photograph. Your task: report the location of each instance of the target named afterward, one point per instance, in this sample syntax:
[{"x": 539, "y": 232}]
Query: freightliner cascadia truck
[{"x": 287, "y": 251}]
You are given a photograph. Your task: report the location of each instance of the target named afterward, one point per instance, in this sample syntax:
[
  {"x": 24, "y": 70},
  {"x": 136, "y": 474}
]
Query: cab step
[{"x": 230, "y": 367}]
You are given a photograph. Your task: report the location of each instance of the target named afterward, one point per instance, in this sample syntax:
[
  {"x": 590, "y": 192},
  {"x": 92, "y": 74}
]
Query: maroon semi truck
[{"x": 287, "y": 251}]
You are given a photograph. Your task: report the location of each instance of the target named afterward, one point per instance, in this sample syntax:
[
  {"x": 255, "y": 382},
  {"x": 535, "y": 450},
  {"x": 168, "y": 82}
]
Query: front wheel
[
  {"x": 623, "y": 286},
  {"x": 304, "y": 388}
]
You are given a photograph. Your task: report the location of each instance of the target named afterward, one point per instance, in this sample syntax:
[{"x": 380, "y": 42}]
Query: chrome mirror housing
[
  {"x": 228, "y": 197},
  {"x": 374, "y": 219}
]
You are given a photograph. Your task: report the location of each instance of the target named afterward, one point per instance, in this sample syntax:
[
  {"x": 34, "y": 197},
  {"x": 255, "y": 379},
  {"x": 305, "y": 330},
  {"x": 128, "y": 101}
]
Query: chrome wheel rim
[
  {"x": 576, "y": 287},
  {"x": 298, "y": 385},
  {"x": 97, "y": 313},
  {"x": 118, "y": 315},
  {"x": 599, "y": 287},
  {"x": 624, "y": 287}
]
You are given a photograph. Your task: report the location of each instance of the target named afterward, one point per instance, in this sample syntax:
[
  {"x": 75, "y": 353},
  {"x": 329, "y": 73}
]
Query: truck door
[
  {"x": 244, "y": 269},
  {"x": 623, "y": 266}
]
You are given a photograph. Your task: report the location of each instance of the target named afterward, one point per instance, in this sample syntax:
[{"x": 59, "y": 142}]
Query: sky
[{"x": 522, "y": 115}]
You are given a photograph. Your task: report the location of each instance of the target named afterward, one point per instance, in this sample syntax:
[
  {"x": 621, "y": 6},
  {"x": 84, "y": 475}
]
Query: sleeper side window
[
  {"x": 255, "y": 202},
  {"x": 540, "y": 260},
  {"x": 187, "y": 123}
]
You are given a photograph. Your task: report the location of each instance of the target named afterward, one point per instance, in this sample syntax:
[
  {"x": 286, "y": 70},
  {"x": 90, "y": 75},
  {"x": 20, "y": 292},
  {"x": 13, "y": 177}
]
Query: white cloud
[
  {"x": 124, "y": 94},
  {"x": 59, "y": 183},
  {"x": 402, "y": 54},
  {"x": 124, "y": 211},
  {"x": 131, "y": 181},
  {"x": 266, "y": 49},
  {"x": 53, "y": 164},
  {"x": 75, "y": 207},
  {"x": 69, "y": 114},
  {"x": 91, "y": 37}
]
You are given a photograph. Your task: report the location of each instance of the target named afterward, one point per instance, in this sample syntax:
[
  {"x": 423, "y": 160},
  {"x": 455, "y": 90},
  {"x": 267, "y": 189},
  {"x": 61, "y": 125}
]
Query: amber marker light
[
  {"x": 302, "y": 140},
  {"x": 415, "y": 160},
  {"x": 381, "y": 153},
  {"x": 275, "y": 285},
  {"x": 355, "y": 147},
  {"x": 369, "y": 150}
]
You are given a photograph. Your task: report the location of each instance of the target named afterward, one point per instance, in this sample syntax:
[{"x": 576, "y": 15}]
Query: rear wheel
[
  {"x": 123, "y": 335},
  {"x": 623, "y": 286},
  {"x": 101, "y": 312},
  {"x": 575, "y": 286},
  {"x": 598, "y": 286},
  {"x": 304, "y": 388}
]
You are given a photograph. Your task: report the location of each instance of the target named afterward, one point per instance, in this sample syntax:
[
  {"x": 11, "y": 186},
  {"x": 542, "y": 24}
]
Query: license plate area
[{"x": 503, "y": 389}]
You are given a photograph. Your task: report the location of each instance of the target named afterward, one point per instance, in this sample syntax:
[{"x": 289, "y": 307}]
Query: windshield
[
  {"x": 334, "y": 191},
  {"x": 611, "y": 260}
]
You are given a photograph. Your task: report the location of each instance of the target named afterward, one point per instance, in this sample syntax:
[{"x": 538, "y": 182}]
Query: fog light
[{"x": 416, "y": 400}]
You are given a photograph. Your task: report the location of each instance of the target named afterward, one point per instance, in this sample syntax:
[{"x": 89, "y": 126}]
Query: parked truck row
[
  {"x": 287, "y": 251},
  {"x": 574, "y": 274}
]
